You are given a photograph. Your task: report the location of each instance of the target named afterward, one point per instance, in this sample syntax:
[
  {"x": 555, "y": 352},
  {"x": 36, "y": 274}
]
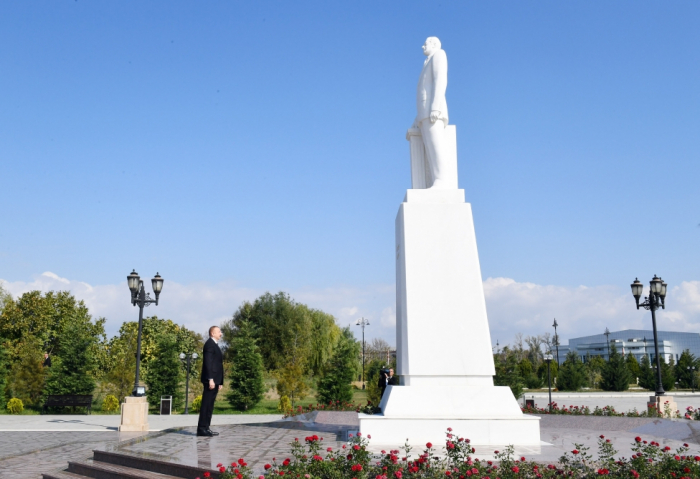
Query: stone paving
[{"x": 31, "y": 453}]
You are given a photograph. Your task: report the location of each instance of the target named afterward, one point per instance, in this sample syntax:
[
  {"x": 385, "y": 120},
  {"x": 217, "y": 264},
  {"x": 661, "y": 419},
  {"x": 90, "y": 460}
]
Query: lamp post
[
  {"x": 187, "y": 358},
  {"x": 548, "y": 358},
  {"x": 140, "y": 298},
  {"x": 363, "y": 322},
  {"x": 607, "y": 340},
  {"x": 556, "y": 339},
  {"x": 655, "y": 300},
  {"x": 692, "y": 377}
]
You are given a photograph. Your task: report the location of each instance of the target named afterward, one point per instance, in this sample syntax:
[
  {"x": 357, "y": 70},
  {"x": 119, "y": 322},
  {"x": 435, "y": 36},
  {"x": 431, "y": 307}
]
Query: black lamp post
[
  {"x": 548, "y": 358},
  {"x": 363, "y": 322},
  {"x": 655, "y": 300},
  {"x": 140, "y": 298},
  {"x": 187, "y": 358},
  {"x": 607, "y": 340},
  {"x": 556, "y": 339}
]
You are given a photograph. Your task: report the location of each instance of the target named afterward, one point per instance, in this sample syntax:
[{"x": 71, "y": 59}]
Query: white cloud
[{"x": 512, "y": 306}]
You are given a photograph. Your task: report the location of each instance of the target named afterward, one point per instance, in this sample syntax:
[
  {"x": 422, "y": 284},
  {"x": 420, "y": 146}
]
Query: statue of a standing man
[{"x": 432, "y": 116}]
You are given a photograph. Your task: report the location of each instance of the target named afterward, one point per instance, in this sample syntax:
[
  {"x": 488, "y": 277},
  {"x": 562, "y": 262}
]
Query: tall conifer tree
[
  {"x": 246, "y": 375},
  {"x": 615, "y": 375}
]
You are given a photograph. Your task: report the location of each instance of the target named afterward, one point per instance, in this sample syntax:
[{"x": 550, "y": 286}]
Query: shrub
[
  {"x": 285, "y": 405},
  {"x": 15, "y": 406},
  {"x": 197, "y": 404},
  {"x": 110, "y": 404},
  {"x": 165, "y": 374},
  {"x": 246, "y": 373},
  {"x": 340, "y": 370}
]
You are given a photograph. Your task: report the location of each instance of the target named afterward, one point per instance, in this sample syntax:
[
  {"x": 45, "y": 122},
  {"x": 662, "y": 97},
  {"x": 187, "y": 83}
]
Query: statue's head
[{"x": 431, "y": 45}]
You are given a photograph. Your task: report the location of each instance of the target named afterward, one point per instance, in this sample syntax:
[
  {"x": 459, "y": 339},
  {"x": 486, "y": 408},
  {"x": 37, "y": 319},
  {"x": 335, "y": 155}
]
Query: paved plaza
[{"x": 260, "y": 438}]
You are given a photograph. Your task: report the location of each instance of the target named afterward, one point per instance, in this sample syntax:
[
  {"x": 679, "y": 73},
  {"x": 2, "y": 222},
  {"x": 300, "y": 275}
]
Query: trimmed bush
[
  {"x": 110, "y": 404},
  {"x": 197, "y": 404},
  {"x": 15, "y": 406},
  {"x": 285, "y": 405}
]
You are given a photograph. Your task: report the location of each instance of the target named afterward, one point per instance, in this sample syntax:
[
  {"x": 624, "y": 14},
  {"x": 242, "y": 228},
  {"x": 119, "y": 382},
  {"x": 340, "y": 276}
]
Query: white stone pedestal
[
  {"x": 444, "y": 354},
  {"x": 134, "y": 414},
  {"x": 661, "y": 403}
]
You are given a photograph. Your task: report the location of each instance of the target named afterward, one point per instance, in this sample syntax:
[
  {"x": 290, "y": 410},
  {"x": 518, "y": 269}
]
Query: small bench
[{"x": 69, "y": 400}]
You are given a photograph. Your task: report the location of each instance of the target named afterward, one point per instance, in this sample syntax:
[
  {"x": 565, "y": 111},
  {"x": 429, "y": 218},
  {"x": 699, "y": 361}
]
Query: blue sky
[{"x": 241, "y": 147}]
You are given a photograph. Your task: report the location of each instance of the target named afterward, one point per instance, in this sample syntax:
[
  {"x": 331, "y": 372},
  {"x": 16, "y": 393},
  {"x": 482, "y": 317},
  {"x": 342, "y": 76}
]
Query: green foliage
[
  {"x": 572, "y": 374},
  {"x": 341, "y": 369},
  {"x": 277, "y": 322},
  {"x": 246, "y": 371},
  {"x": 164, "y": 376},
  {"x": 553, "y": 371},
  {"x": 5, "y": 297},
  {"x": 615, "y": 375},
  {"x": 668, "y": 374},
  {"x": 533, "y": 381},
  {"x": 594, "y": 369},
  {"x": 197, "y": 404},
  {"x": 4, "y": 373},
  {"x": 647, "y": 376},
  {"x": 73, "y": 367},
  {"x": 374, "y": 394},
  {"x": 121, "y": 364},
  {"x": 27, "y": 375},
  {"x": 40, "y": 321},
  {"x": 15, "y": 406},
  {"x": 508, "y": 372},
  {"x": 285, "y": 405},
  {"x": 632, "y": 367},
  {"x": 110, "y": 404},
  {"x": 684, "y": 373},
  {"x": 525, "y": 367}
]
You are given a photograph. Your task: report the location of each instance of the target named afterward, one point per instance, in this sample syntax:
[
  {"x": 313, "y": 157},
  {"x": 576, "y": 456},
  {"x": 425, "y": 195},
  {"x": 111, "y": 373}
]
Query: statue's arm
[{"x": 439, "y": 84}]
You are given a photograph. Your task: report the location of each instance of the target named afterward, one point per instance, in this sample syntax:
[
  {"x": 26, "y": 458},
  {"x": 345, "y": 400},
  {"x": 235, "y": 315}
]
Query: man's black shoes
[
  {"x": 213, "y": 433},
  {"x": 205, "y": 433}
]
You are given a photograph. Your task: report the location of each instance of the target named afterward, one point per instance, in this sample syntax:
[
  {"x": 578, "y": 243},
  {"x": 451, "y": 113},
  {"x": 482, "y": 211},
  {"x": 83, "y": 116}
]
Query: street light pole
[
  {"x": 187, "y": 357},
  {"x": 655, "y": 300},
  {"x": 548, "y": 358},
  {"x": 140, "y": 298},
  {"x": 556, "y": 339},
  {"x": 363, "y": 322},
  {"x": 692, "y": 377},
  {"x": 607, "y": 340}
]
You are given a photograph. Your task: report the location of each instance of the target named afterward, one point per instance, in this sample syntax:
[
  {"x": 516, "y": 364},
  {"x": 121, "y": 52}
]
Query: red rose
[
  {"x": 575, "y": 451},
  {"x": 206, "y": 474},
  {"x": 241, "y": 461},
  {"x": 638, "y": 439},
  {"x": 222, "y": 469},
  {"x": 515, "y": 469},
  {"x": 267, "y": 466},
  {"x": 429, "y": 445}
]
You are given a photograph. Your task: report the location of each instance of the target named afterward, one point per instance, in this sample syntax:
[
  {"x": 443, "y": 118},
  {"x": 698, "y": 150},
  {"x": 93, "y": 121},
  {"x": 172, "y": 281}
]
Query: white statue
[{"x": 439, "y": 153}]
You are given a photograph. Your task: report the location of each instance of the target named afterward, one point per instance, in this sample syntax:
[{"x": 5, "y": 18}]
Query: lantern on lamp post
[{"x": 655, "y": 300}]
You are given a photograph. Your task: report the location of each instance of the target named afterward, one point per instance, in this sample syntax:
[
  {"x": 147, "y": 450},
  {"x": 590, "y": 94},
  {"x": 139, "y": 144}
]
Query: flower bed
[
  {"x": 311, "y": 460},
  {"x": 691, "y": 413}
]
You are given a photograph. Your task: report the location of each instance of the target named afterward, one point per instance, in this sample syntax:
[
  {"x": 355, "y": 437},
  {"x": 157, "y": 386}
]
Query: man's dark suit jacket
[{"x": 213, "y": 367}]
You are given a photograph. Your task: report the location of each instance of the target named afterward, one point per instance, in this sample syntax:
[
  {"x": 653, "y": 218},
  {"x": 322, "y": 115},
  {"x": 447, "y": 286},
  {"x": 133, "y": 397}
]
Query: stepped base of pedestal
[
  {"x": 484, "y": 414},
  {"x": 134, "y": 414}
]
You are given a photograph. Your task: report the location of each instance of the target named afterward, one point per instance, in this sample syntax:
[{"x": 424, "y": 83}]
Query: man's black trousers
[{"x": 205, "y": 412}]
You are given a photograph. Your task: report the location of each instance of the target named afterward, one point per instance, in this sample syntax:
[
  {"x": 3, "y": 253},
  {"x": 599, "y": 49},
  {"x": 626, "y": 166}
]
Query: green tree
[
  {"x": 121, "y": 364},
  {"x": 292, "y": 377},
  {"x": 525, "y": 367},
  {"x": 632, "y": 366},
  {"x": 684, "y": 373},
  {"x": 508, "y": 371},
  {"x": 372, "y": 368},
  {"x": 41, "y": 319},
  {"x": 594, "y": 369},
  {"x": 615, "y": 375},
  {"x": 553, "y": 371},
  {"x": 668, "y": 373},
  {"x": 647, "y": 374},
  {"x": 340, "y": 371},
  {"x": 164, "y": 377},
  {"x": 26, "y": 381},
  {"x": 276, "y": 321},
  {"x": 572, "y": 374},
  {"x": 73, "y": 368},
  {"x": 4, "y": 373},
  {"x": 246, "y": 371},
  {"x": 5, "y": 297}
]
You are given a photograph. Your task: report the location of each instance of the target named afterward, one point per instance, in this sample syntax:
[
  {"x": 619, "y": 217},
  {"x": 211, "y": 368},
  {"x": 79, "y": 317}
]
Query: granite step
[
  {"x": 103, "y": 470},
  {"x": 62, "y": 475},
  {"x": 152, "y": 465}
]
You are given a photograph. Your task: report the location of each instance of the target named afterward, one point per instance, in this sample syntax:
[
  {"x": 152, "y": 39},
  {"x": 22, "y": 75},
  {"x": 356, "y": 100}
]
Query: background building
[{"x": 634, "y": 341}]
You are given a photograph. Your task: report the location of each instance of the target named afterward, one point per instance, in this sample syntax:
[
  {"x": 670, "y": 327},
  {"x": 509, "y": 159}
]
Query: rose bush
[
  {"x": 691, "y": 413},
  {"x": 309, "y": 459}
]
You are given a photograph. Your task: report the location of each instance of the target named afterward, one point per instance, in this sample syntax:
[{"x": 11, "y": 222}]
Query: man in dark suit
[{"x": 212, "y": 378}]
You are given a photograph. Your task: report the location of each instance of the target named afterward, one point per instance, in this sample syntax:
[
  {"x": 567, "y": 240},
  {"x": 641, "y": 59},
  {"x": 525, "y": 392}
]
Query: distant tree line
[{"x": 522, "y": 367}]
